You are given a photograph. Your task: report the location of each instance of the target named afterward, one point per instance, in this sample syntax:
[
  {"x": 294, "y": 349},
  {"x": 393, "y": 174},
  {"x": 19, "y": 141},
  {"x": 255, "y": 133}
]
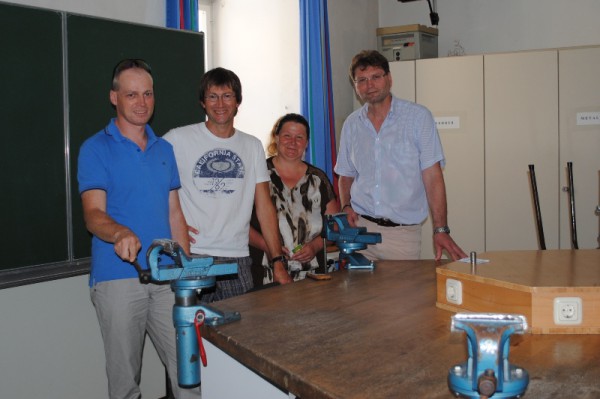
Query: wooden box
[{"x": 528, "y": 283}]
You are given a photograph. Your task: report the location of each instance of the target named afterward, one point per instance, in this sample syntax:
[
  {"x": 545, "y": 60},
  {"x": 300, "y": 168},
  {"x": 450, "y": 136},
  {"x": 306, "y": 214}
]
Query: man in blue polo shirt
[{"x": 128, "y": 182}]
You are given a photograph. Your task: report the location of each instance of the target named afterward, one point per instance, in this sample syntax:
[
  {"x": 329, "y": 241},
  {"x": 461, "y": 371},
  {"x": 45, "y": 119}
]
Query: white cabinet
[
  {"x": 579, "y": 116},
  {"x": 452, "y": 89},
  {"x": 496, "y": 115},
  {"x": 521, "y": 128},
  {"x": 403, "y": 79}
]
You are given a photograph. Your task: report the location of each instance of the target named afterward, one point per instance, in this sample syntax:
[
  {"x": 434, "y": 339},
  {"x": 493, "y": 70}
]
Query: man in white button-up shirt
[{"x": 390, "y": 166}]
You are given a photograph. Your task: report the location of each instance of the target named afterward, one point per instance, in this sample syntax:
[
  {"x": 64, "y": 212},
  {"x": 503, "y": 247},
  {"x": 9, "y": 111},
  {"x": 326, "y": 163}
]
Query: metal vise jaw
[
  {"x": 188, "y": 276},
  {"x": 487, "y": 373},
  {"x": 349, "y": 240},
  {"x": 199, "y": 270}
]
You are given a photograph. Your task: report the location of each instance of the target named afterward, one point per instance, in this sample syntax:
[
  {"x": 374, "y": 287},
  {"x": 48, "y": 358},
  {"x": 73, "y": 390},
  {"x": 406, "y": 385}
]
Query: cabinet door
[
  {"x": 521, "y": 128},
  {"x": 452, "y": 89},
  {"x": 580, "y": 142},
  {"x": 403, "y": 79}
]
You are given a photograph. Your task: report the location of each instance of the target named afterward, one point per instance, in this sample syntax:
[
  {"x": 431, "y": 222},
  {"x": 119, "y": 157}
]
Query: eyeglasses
[
  {"x": 374, "y": 78},
  {"x": 226, "y": 97}
]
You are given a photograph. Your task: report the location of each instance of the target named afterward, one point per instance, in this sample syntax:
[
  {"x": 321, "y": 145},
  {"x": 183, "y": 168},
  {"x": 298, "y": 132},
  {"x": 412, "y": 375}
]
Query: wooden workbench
[{"x": 379, "y": 335}]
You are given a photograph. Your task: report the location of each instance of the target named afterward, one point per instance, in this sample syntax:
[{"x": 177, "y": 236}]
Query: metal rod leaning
[
  {"x": 574, "y": 244},
  {"x": 538, "y": 213}
]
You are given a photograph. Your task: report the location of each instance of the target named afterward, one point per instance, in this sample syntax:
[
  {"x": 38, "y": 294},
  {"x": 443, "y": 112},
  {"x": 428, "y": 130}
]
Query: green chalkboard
[
  {"x": 95, "y": 46},
  {"x": 32, "y": 161},
  {"x": 56, "y": 69}
]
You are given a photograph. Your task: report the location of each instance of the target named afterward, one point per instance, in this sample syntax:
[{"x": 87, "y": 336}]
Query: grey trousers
[{"x": 126, "y": 310}]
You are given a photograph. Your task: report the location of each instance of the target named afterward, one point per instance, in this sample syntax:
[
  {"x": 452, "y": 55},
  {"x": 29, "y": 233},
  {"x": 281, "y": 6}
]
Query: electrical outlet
[
  {"x": 454, "y": 291},
  {"x": 568, "y": 310}
]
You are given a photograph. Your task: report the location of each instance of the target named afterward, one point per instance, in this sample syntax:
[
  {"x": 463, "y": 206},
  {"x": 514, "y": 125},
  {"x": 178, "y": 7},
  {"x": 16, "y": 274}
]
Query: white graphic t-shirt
[
  {"x": 219, "y": 172},
  {"x": 218, "y": 180}
]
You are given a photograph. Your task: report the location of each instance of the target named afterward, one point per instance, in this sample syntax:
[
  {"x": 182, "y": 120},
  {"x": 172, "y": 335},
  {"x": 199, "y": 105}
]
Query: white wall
[
  {"x": 488, "y": 26},
  {"x": 51, "y": 344},
  {"x": 352, "y": 26},
  {"x": 259, "y": 41}
]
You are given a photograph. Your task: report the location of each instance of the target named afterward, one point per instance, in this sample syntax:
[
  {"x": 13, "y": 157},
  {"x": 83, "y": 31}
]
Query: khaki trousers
[{"x": 397, "y": 243}]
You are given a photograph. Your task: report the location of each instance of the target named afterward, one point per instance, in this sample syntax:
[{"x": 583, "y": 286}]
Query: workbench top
[
  {"x": 379, "y": 334},
  {"x": 528, "y": 270}
]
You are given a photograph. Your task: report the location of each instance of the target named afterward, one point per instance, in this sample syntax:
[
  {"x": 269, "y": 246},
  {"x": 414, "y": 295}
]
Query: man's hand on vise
[
  {"x": 127, "y": 245},
  {"x": 443, "y": 241},
  {"x": 352, "y": 216}
]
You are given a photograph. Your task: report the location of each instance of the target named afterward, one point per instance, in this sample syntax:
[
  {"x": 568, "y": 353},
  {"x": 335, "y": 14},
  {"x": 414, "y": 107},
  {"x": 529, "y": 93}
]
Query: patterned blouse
[{"x": 300, "y": 212}]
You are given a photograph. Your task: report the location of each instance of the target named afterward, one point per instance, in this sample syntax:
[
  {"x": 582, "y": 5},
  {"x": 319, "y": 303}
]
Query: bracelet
[
  {"x": 344, "y": 207},
  {"x": 280, "y": 258}
]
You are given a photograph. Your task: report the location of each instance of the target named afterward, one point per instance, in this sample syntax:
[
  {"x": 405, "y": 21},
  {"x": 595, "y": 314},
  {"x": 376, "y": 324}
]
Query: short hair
[
  {"x": 126, "y": 64},
  {"x": 367, "y": 58},
  {"x": 296, "y": 118},
  {"x": 220, "y": 77}
]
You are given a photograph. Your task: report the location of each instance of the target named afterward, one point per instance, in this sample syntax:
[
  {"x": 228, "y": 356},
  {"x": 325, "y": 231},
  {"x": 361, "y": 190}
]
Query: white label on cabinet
[
  {"x": 588, "y": 118},
  {"x": 447, "y": 122}
]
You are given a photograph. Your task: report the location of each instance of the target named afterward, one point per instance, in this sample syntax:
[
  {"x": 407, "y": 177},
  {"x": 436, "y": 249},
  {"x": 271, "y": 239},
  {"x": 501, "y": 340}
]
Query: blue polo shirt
[{"x": 137, "y": 185}]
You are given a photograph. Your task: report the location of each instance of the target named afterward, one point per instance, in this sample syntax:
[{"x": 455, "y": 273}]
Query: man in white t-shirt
[{"x": 223, "y": 174}]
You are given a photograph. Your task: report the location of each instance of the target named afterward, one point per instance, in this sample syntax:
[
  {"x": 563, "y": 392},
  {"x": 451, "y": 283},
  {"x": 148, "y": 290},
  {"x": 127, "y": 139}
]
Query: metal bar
[
  {"x": 574, "y": 244},
  {"x": 598, "y": 213},
  {"x": 538, "y": 213},
  {"x": 67, "y": 138}
]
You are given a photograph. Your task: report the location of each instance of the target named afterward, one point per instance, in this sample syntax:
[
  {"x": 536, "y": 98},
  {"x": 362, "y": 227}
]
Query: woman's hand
[{"x": 308, "y": 251}]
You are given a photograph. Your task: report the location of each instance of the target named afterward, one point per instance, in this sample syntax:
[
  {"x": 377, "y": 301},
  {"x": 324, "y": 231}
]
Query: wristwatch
[
  {"x": 280, "y": 258},
  {"x": 443, "y": 229}
]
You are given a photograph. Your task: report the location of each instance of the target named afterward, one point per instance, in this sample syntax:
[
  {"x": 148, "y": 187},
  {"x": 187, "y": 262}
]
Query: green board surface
[
  {"x": 56, "y": 70},
  {"x": 177, "y": 64},
  {"x": 32, "y": 159}
]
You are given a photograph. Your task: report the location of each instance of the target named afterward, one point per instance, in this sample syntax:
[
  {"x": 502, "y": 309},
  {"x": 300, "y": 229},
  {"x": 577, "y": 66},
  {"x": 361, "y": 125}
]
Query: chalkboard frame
[{"x": 89, "y": 48}]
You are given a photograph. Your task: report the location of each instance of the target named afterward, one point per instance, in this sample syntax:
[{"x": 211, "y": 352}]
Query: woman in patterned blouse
[{"x": 301, "y": 193}]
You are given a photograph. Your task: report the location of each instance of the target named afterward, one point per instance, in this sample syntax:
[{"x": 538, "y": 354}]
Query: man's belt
[{"x": 385, "y": 222}]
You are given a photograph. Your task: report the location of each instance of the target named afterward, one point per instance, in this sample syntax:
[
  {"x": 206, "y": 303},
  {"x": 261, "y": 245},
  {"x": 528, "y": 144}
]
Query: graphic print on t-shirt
[{"x": 218, "y": 172}]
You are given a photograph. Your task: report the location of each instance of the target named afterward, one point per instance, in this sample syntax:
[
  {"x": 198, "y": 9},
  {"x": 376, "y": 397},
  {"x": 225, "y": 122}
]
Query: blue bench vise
[
  {"x": 487, "y": 372},
  {"x": 188, "y": 276},
  {"x": 349, "y": 240}
]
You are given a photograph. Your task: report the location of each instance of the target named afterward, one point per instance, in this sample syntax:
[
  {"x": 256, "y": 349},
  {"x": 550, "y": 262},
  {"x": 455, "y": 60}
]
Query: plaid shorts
[{"x": 230, "y": 285}]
